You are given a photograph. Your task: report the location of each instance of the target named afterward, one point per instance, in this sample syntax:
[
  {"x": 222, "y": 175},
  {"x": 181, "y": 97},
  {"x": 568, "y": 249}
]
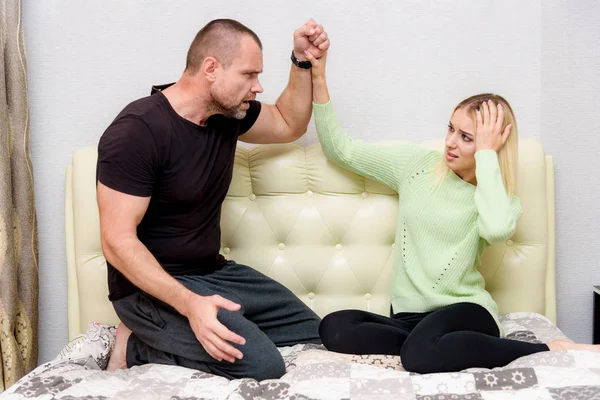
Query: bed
[{"x": 328, "y": 235}]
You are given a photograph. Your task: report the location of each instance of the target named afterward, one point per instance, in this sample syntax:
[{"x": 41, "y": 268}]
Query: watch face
[{"x": 300, "y": 64}]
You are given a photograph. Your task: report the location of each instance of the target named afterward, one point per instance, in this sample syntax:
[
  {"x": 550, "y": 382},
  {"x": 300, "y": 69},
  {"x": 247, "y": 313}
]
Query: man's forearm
[
  {"x": 295, "y": 103},
  {"x": 135, "y": 261}
]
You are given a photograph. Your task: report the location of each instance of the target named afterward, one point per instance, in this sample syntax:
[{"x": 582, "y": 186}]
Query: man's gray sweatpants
[{"x": 271, "y": 316}]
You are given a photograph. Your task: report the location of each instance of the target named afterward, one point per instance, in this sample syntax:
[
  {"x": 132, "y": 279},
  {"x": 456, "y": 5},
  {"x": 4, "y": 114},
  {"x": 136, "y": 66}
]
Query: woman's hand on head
[{"x": 490, "y": 135}]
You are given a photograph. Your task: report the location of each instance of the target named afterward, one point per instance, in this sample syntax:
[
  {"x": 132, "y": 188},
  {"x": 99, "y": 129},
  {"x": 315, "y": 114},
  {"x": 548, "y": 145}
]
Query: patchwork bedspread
[{"x": 315, "y": 373}]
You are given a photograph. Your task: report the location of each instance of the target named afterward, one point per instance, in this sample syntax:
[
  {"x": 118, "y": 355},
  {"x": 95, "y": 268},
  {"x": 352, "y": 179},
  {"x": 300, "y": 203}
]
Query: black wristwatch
[{"x": 300, "y": 64}]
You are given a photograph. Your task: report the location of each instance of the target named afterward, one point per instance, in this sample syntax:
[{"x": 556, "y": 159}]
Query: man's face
[{"x": 238, "y": 83}]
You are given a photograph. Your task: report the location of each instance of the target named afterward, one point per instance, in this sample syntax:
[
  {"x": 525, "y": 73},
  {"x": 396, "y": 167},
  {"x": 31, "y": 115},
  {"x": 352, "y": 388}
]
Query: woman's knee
[
  {"x": 332, "y": 329},
  {"x": 417, "y": 356}
]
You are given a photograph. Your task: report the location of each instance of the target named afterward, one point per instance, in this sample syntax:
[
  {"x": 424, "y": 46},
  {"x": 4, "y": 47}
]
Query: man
[{"x": 164, "y": 167}]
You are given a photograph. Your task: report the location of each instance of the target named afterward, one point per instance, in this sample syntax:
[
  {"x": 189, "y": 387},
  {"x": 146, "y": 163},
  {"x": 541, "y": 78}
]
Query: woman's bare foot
[
  {"x": 559, "y": 344},
  {"x": 118, "y": 357}
]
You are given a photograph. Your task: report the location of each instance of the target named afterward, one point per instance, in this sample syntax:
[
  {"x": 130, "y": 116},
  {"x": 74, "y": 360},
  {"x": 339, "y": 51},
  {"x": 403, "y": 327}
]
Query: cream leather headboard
[{"x": 322, "y": 231}]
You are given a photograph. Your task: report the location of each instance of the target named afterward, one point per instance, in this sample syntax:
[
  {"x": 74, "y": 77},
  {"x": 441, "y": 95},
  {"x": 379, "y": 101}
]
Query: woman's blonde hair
[{"x": 507, "y": 155}]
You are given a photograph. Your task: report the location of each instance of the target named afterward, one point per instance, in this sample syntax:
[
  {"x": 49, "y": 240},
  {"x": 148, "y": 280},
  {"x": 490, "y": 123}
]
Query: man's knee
[
  {"x": 272, "y": 368},
  {"x": 261, "y": 358},
  {"x": 260, "y": 363}
]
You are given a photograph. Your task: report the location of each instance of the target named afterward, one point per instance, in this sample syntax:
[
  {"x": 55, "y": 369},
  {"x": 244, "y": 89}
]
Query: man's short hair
[{"x": 220, "y": 39}]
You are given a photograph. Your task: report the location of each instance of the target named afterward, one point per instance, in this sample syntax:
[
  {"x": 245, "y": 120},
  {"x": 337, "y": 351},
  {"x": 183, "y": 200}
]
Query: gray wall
[
  {"x": 396, "y": 70},
  {"x": 570, "y": 131}
]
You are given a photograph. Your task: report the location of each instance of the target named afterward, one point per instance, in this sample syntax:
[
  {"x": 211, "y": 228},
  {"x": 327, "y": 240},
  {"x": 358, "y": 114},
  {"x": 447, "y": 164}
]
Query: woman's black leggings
[{"x": 453, "y": 338}]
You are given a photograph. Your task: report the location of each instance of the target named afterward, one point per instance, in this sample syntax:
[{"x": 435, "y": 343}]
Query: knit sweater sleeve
[
  {"x": 498, "y": 214},
  {"x": 384, "y": 163}
]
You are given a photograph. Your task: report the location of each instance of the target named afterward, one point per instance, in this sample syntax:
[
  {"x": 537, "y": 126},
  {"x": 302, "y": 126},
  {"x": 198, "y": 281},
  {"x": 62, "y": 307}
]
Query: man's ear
[{"x": 209, "y": 68}]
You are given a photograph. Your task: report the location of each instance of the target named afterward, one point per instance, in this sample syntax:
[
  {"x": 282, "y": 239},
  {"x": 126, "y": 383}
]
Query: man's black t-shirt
[{"x": 186, "y": 169}]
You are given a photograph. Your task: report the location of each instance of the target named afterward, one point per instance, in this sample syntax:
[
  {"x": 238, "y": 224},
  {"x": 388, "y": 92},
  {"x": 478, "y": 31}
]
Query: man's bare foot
[
  {"x": 119, "y": 354},
  {"x": 559, "y": 344}
]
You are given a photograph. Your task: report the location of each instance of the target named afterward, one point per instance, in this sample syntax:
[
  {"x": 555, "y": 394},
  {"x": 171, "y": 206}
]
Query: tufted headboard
[{"x": 322, "y": 231}]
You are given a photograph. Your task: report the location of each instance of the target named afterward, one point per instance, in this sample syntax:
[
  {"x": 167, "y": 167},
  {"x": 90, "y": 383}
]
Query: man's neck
[{"x": 189, "y": 100}]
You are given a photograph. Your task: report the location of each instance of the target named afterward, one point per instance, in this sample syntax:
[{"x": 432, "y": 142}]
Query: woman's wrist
[
  {"x": 485, "y": 148},
  {"x": 319, "y": 80},
  {"x": 320, "y": 91}
]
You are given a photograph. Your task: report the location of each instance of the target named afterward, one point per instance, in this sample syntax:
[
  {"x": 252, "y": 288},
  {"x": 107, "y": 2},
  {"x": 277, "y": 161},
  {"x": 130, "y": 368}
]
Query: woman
[{"x": 452, "y": 206}]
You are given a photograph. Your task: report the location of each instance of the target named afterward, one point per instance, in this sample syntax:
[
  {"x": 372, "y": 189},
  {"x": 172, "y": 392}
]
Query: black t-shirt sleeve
[
  {"x": 251, "y": 116},
  {"x": 128, "y": 157}
]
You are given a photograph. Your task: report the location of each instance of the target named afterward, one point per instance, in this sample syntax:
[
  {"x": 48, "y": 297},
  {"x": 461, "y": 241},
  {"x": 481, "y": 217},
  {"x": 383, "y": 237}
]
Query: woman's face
[{"x": 460, "y": 145}]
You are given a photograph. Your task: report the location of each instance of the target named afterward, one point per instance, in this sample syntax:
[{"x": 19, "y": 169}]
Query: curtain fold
[{"x": 18, "y": 224}]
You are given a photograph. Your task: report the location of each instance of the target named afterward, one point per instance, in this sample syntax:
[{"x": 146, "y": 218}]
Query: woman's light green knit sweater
[{"x": 442, "y": 230}]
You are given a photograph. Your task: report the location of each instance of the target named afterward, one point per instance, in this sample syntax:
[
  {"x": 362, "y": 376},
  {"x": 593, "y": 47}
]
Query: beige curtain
[{"x": 18, "y": 225}]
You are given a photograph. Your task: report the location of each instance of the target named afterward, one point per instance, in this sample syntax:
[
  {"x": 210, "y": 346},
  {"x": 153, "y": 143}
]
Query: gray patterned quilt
[{"x": 314, "y": 373}]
